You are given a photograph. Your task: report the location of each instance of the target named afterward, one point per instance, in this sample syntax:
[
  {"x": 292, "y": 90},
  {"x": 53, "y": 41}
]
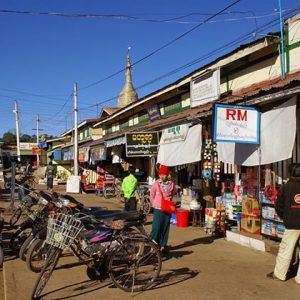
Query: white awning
[
  {"x": 278, "y": 132},
  {"x": 182, "y": 152}
]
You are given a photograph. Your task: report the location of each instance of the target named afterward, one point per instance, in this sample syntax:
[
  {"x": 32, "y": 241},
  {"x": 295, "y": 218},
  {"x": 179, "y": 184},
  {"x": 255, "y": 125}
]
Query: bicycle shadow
[
  {"x": 172, "y": 277},
  {"x": 167, "y": 278},
  {"x": 78, "y": 289}
]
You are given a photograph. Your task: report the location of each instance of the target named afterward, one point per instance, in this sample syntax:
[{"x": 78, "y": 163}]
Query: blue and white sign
[{"x": 236, "y": 124}]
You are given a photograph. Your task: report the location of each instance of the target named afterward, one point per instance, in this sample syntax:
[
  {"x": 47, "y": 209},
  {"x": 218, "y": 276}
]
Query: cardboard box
[
  {"x": 250, "y": 224},
  {"x": 250, "y": 206},
  {"x": 185, "y": 201}
]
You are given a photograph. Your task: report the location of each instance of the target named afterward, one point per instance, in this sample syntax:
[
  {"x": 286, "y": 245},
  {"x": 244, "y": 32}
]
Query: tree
[
  {"x": 25, "y": 138},
  {"x": 9, "y": 138}
]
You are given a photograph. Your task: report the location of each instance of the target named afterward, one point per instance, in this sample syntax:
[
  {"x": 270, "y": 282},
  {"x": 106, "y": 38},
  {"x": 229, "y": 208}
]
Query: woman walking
[{"x": 163, "y": 188}]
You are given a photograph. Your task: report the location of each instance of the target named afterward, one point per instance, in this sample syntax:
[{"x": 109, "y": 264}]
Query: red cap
[{"x": 163, "y": 170}]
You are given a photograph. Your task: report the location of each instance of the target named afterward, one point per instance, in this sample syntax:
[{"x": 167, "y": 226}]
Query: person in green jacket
[{"x": 129, "y": 186}]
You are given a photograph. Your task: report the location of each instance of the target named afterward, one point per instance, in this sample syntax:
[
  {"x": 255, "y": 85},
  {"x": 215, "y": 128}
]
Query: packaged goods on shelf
[
  {"x": 250, "y": 206},
  {"x": 250, "y": 223}
]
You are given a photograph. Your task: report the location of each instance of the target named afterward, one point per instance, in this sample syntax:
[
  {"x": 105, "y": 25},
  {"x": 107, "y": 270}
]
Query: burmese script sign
[
  {"x": 236, "y": 124},
  {"x": 141, "y": 144},
  {"x": 174, "y": 134}
]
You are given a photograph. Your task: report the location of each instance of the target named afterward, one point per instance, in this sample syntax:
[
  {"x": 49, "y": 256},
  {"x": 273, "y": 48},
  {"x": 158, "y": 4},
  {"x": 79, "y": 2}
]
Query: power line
[
  {"x": 125, "y": 17},
  {"x": 204, "y": 57},
  {"x": 163, "y": 46},
  {"x": 31, "y": 94}
]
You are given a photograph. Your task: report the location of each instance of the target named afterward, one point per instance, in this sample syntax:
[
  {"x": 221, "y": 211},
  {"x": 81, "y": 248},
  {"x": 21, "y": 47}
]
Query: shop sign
[
  {"x": 236, "y": 124},
  {"x": 36, "y": 150},
  {"x": 174, "y": 134},
  {"x": 205, "y": 89},
  {"x": 27, "y": 146},
  {"x": 98, "y": 153},
  {"x": 83, "y": 154},
  {"x": 141, "y": 144},
  {"x": 115, "y": 142},
  {"x": 153, "y": 113},
  {"x": 69, "y": 155}
]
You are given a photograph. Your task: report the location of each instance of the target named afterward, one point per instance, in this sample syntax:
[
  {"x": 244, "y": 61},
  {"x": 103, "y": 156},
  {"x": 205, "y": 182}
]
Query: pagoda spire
[{"x": 128, "y": 93}]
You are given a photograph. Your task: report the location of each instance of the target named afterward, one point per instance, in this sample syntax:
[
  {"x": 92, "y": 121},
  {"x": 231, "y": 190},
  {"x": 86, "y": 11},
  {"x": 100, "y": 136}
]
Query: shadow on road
[
  {"x": 200, "y": 241},
  {"x": 78, "y": 289},
  {"x": 166, "y": 279}
]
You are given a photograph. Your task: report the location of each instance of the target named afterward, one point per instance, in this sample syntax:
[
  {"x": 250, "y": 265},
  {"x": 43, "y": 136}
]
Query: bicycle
[
  {"x": 143, "y": 198},
  {"x": 132, "y": 261}
]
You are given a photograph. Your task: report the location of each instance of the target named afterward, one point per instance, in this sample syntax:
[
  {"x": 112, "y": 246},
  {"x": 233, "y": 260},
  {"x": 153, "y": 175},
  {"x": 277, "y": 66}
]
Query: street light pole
[
  {"x": 16, "y": 112},
  {"x": 37, "y": 139},
  {"x": 75, "y": 130}
]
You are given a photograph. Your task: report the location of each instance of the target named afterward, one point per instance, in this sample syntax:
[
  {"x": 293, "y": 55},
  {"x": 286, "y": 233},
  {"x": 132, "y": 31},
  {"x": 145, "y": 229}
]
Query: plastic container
[
  {"x": 182, "y": 217},
  {"x": 173, "y": 219}
]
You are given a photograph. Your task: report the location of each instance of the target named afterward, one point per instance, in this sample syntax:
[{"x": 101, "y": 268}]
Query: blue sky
[{"x": 44, "y": 55}]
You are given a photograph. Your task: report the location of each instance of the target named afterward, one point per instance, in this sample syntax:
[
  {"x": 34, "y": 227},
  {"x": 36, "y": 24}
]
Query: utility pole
[
  {"x": 37, "y": 139},
  {"x": 281, "y": 41},
  {"x": 75, "y": 130},
  {"x": 16, "y": 112},
  {"x": 38, "y": 129}
]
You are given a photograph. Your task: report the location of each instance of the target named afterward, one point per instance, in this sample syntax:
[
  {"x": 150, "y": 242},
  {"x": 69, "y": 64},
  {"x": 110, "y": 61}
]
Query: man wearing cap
[{"x": 163, "y": 188}]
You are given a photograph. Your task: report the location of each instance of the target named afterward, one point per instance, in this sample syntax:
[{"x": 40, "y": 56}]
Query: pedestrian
[
  {"x": 163, "y": 188},
  {"x": 288, "y": 208},
  {"x": 129, "y": 186},
  {"x": 50, "y": 174},
  {"x": 24, "y": 191},
  {"x": 28, "y": 168}
]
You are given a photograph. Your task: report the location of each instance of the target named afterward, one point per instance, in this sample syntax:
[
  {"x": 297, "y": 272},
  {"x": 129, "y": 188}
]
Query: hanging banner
[
  {"x": 141, "y": 144},
  {"x": 153, "y": 113},
  {"x": 205, "y": 89},
  {"x": 28, "y": 146},
  {"x": 98, "y": 153},
  {"x": 83, "y": 154},
  {"x": 116, "y": 141},
  {"x": 236, "y": 124},
  {"x": 69, "y": 155},
  {"x": 174, "y": 134}
]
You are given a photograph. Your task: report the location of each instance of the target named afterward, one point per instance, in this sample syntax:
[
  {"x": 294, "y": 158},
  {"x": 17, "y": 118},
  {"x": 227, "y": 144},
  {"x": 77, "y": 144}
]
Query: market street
[{"x": 197, "y": 267}]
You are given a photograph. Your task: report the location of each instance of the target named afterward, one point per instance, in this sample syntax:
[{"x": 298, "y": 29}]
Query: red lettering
[
  {"x": 242, "y": 117},
  {"x": 230, "y": 113},
  {"x": 236, "y": 114}
]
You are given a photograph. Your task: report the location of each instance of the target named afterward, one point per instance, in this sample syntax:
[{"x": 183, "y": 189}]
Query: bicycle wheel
[
  {"x": 46, "y": 272},
  {"x": 1, "y": 256},
  {"x": 15, "y": 217},
  {"x": 24, "y": 248},
  {"x": 37, "y": 255},
  {"x": 146, "y": 205},
  {"x": 135, "y": 265},
  {"x": 18, "y": 238}
]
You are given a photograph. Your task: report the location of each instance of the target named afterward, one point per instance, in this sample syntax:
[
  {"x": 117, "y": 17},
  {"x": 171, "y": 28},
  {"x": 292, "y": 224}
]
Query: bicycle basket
[{"x": 62, "y": 230}]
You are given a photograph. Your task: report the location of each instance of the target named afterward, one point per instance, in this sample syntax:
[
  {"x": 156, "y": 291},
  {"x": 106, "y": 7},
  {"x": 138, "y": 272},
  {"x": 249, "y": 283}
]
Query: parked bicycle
[
  {"x": 131, "y": 260},
  {"x": 1, "y": 246}
]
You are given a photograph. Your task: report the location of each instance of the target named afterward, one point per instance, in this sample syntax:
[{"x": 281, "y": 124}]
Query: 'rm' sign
[
  {"x": 236, "y": 124},
  {"x": 236, "y": 114}
]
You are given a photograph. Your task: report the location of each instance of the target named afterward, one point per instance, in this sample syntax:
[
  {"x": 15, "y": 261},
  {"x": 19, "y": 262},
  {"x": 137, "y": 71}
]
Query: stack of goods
[
  {"x": 250, "y": 221},
  {"x": 271, "y": 225},
  {"x": 210, "y": 220},
  {"x": 194, "y": 205},
  {"x": 220, "y": 222}
]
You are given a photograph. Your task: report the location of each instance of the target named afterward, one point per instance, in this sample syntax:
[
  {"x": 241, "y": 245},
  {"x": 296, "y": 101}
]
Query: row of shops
[{"x": 228, "y": 131}]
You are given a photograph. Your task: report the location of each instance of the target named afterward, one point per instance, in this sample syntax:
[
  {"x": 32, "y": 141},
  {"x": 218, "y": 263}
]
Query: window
[
  {"x": 81, "y": 136},
  {"x": 134, "y": 120},
  {"x": 115, "y": 127},
  {"x": 185, "y": 100}
]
